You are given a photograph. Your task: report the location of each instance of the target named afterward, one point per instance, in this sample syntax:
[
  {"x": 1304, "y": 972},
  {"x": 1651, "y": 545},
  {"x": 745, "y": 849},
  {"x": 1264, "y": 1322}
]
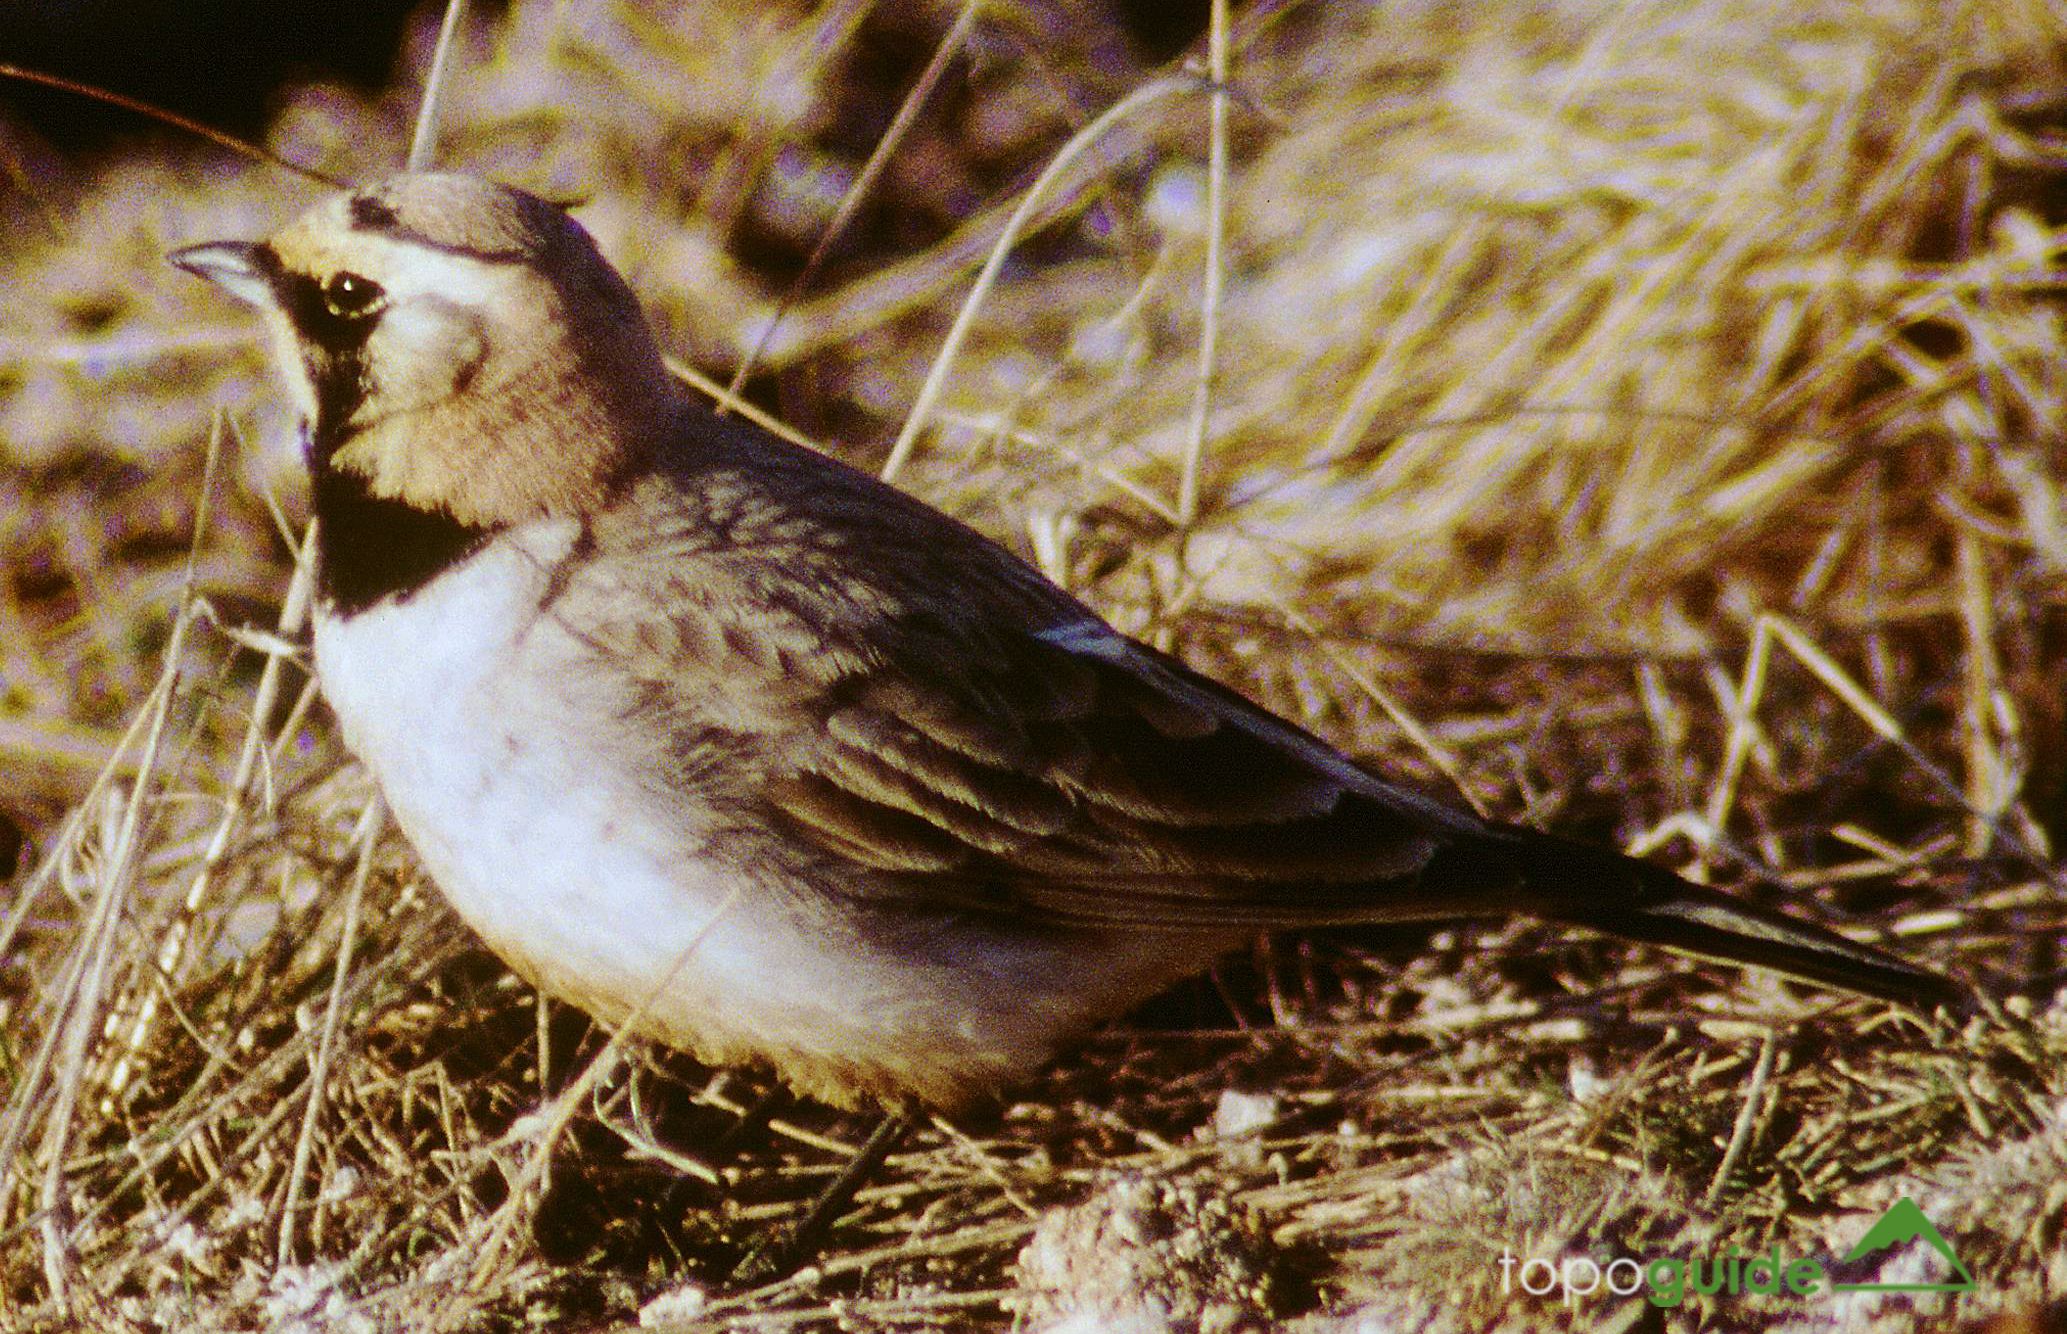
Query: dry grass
[{"x": 1645, "y": 417}]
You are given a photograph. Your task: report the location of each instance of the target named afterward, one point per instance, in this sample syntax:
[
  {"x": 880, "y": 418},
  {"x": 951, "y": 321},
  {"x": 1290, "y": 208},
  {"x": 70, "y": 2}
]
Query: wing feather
[{"x": 1101, "y": 786}]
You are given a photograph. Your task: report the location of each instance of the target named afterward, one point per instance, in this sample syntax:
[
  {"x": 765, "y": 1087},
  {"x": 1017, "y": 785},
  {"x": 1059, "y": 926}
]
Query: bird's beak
[{"x": 238, "y": 267}]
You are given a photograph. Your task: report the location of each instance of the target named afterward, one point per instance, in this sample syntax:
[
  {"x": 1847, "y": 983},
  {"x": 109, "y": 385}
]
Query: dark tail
[{"x": 1606, "y": 892}]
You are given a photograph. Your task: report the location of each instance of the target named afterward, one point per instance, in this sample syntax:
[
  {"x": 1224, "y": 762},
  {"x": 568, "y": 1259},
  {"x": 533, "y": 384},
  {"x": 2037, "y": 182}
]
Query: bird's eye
[{"x": 349, "y": 296}]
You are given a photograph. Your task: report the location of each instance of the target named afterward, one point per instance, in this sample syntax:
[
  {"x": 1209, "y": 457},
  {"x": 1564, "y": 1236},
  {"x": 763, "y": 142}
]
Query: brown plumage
[{"x": 720, "y": 737}]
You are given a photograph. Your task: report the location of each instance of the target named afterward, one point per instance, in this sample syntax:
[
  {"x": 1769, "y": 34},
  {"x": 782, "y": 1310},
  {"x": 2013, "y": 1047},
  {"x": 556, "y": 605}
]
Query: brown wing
[
  {"x": 1075, "y": 776},
  {"x": 1081, "y": 777}
]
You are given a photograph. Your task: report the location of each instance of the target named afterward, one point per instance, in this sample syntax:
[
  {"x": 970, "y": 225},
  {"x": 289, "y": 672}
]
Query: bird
[{"x": 732, "y": 744}]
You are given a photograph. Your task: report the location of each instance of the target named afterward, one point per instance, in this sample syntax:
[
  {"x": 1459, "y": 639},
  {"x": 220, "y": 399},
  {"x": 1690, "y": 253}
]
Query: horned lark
[{"x": 713, "y": 734}]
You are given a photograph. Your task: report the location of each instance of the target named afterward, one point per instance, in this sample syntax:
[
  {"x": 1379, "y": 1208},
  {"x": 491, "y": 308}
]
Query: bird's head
[{"x": 460, "y": 345}]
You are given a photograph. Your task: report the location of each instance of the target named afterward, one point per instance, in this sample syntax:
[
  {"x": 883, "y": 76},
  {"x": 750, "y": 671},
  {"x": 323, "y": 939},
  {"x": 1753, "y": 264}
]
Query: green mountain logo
[{"x": 1901, "y": 1224}]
